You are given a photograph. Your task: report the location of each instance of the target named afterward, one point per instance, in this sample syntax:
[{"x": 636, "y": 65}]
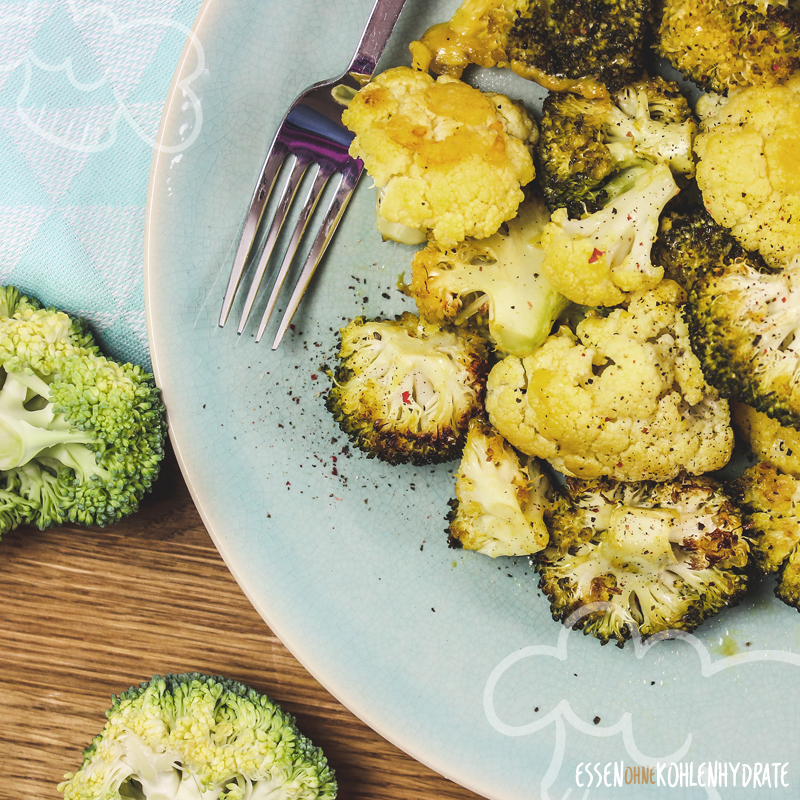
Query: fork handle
[{"x": 373, "y": 40}]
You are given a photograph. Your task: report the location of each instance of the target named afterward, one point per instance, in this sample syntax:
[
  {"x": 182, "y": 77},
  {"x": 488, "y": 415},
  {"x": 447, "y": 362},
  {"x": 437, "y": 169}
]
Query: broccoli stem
[{"x": 25, "y": 433}]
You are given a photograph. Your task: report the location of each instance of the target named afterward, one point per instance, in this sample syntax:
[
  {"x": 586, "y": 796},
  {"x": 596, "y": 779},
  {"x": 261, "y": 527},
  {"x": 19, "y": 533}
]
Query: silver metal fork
[{"x": 311, "y": 133}]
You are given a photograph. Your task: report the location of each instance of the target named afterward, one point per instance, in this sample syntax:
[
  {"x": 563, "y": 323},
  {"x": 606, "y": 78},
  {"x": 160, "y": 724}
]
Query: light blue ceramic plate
[{"x": 450, "y": 655}]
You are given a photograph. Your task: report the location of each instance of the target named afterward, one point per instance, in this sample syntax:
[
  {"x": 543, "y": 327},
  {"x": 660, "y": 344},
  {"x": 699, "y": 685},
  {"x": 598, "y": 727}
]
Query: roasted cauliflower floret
[
  {"x": 600, "y": 259},
  {"x": 496, "y": 281},
  {"x": 500, "y": 498},
  {"x": 749, "y": 151},
  {"x": 722, "y": 44},
  {"x": 446, "y": 158},
  {"x": 771, "y": 502},
  {"x": 646, "y": 557},
  {"x": 622, "y": 396},
  {"x": 405, "y": 390},
  {"x": 768, "y": 439},
  {"x": 745, "y": 330}
]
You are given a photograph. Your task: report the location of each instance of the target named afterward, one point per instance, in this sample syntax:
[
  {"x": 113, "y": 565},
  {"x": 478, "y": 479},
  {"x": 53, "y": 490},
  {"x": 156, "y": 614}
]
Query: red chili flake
[
  {"x": 595, "y": 255},
  {"x": 645, "y": 430},
  {"x": 406, "y": 397}
]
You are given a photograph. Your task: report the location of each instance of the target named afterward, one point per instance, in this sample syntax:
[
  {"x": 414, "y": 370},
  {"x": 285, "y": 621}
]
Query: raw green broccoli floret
[
  {"x": 81, "y": 436},
  {"x": 197, "y": 737}
]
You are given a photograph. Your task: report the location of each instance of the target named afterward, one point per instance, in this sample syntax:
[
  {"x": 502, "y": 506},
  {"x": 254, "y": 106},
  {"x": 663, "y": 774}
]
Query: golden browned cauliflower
[
  {"x": 768, "y": 439},
  {"x": 622, "y": 396},
  {"x": 500, "y": 498},
  {"x": 446, "y": 158},
  {"x": 600, "y": 259},
  {"x": 749, "y": 151}
]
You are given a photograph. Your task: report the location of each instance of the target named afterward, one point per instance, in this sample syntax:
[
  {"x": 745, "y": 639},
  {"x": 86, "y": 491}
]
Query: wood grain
[{"x": 86, "y": 613}]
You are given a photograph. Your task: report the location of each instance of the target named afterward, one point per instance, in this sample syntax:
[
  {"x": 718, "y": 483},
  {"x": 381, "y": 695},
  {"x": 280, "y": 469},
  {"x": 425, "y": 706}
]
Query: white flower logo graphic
[
  {"x": 563, "y": 714},
  {"x": 95, "y": 127}
]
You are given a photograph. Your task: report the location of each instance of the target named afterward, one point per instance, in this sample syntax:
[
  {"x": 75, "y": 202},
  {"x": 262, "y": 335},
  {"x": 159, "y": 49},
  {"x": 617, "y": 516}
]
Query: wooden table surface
[{"x": 86, "y": 613}]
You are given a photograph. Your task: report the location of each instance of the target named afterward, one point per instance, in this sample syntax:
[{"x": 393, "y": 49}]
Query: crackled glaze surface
[{"x": 346, "y": 558}]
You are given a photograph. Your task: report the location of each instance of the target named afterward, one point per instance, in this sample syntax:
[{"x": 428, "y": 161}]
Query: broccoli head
[
  {"x": 585, "y": 47},
  {"x": 689, "y": 244},
  {"x": 771, "y": 504},
  {"x": 81, "y": 436},
  {"x": 497, "y": 280},
  {"x": 744, "y": 326},
  {"x": 196, "y": 737},
  {"x": 768, "y": 439},
  {"x": 600, "y": 259},
  {"x": 500, "y": 498},
  {"x": 646, "y": 557},
  {"x": 405, "y": 389},
  {"x": 723, "y": 45},
  {"x": 623, "y": 396},
  {"x": 587, "y": 146}
]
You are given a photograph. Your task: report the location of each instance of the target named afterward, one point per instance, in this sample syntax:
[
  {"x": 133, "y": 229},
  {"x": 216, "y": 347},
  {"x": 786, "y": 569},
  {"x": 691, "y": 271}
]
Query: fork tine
[
  {"x": 308, "y": 208},
  {"x": 337, "y": 207},
  {"x": 263, "y": 190},
  {"x": 289, "y": 190}
]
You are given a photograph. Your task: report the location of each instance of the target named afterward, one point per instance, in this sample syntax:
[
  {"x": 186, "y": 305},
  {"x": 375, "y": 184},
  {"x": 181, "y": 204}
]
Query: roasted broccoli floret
[
  {"x": 771, "y": 504},
  {"x": 600, "y": 259},
  {"x": 690, "y": 243},
  {"x": 724, "y": 44},
  {"x": 768, "y": 439},
  {"x": 498, "y": 281},
  {"x": 81, "y": 436},
  {"x": 646, "y": 557},
  {"x": 196, "y": 737},
  {"x": 744, "y": 326},
  {"x": 500, "y": 497},
  {"x": 405, "y": 389},
  {"x": 587, "y": 147},
  {"x": 586, "y": 46}
]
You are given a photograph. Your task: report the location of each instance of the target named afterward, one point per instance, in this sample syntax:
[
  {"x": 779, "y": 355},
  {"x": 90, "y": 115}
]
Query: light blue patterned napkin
[{"x": 82, "y": 86}]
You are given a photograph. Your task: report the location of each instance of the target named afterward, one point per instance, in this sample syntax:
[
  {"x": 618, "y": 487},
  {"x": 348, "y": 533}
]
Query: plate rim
[{"x": 351, "y": 704}]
